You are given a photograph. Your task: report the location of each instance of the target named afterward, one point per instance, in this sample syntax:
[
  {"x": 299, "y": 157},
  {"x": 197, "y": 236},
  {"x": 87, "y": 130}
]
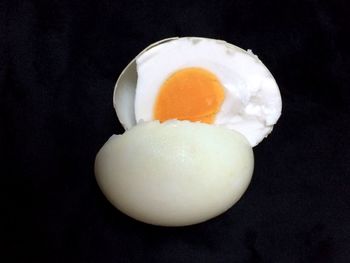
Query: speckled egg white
[{"x": 176, "y": 173}]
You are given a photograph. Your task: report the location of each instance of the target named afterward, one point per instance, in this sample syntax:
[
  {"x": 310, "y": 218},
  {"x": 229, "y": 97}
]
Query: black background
[{"x": 58, "y": 66}]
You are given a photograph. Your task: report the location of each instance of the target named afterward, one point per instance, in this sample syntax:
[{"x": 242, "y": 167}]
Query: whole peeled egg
[
  {"x": 199, "y": 79},
  {"x": 174, "y": 173}
]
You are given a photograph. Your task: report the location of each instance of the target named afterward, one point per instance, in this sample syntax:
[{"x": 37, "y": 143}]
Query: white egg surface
[
  {"x": 210, "y": 81},
  {"x": 174, "y": 173}
]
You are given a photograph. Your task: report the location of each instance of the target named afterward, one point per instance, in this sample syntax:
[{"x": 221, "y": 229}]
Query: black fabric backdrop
[{"x": 58, "y": 66}]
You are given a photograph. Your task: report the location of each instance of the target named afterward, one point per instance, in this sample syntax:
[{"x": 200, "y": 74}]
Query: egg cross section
[{"x": 193, "y": 94}]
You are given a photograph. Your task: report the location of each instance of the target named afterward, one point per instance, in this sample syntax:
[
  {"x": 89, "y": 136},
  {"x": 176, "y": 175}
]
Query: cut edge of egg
[{"x": 125, "y": 87}]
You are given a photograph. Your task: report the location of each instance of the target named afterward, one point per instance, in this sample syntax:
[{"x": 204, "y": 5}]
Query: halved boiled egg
[
  {"x": 199, "y": 79},
  {"x": 192, "y": 109},
  {"x": 174, "y": 173}
]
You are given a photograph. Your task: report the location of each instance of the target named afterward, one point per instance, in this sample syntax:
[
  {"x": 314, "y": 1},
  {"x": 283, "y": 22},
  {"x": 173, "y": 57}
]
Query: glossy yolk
[{"x": 193, "y": 94}]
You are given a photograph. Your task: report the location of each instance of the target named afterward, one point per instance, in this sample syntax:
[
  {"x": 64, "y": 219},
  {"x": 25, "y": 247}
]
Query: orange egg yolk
[{"x": 193, "y": 94}]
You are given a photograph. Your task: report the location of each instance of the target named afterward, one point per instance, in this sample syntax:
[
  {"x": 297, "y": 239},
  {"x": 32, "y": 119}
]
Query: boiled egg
[
  {"x": 200, "y": 80},
  {"x": 174, "y": 173},
  {"x": 192, "y": 108}
]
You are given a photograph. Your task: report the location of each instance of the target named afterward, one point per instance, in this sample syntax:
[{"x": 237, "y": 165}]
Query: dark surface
[{"x": 58, "y": 66}]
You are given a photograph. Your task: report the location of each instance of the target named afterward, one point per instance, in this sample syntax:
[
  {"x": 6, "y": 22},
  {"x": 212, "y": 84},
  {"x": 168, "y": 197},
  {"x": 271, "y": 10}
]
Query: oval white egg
[
  {"x": 176, "y": 173},
  {"x": 252, "y": 102}
]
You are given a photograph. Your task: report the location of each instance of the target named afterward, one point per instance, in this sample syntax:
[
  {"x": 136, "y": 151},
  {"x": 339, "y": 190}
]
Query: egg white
[
  {"x": 252, "y": 103},
  {"x": 162, "y": 174}
]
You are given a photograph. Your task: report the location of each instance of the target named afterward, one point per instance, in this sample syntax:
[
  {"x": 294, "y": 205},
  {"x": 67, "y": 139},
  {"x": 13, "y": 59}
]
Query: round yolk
[{"x": 193, "y": 94}]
